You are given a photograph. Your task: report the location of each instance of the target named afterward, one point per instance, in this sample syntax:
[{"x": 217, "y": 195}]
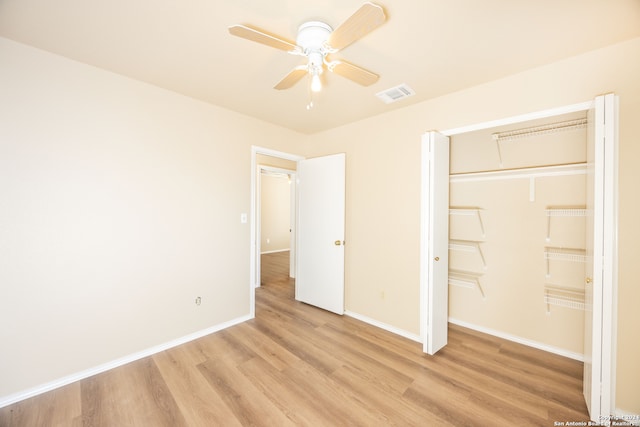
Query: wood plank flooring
[{"x": 297, "y": 365}]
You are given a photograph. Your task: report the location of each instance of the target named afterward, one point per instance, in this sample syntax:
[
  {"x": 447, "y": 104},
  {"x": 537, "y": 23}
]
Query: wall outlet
[{"x": 198, "y": 300}]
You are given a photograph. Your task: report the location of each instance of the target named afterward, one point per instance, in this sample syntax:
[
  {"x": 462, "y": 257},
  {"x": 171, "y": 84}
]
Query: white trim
[
  {"x": 609, "y": 279},
  {"x": 60, "y": 382},
  {"x": 424, "y": 234},
  {"x": 530, "y": 343},
  {"x": 386, "y": 327},
  {"x": 583, "y": 106}
]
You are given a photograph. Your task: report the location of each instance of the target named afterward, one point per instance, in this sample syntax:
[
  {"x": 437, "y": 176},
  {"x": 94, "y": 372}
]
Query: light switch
[{"x": 243, "y": 218}]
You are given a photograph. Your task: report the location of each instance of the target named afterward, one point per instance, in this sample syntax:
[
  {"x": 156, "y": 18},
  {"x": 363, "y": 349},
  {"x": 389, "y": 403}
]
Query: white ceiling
[{"x": 434, "y": 46}]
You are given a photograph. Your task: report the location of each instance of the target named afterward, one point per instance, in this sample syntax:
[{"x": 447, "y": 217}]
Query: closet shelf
[
  {"x": 468, "y": 246},
  {"x": 563, "y": 297},
  {"x": 466, "y": 279},
  {"x": 512, "y": 135},
  {"x": 474, "y": 211},
  {"x": 564, "y": 254},
  {"x": 566, "y": 212},
  {"x": 562, "y": 212},
  {"x": 540, "y": 130}
]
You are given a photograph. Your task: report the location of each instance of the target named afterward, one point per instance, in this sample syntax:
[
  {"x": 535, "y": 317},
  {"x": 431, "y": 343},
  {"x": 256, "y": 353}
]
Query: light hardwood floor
[{"x": 297, "y": 365}]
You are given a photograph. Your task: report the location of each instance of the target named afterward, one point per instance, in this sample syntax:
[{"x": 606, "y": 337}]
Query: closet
[{"x": 517, "y": 197}]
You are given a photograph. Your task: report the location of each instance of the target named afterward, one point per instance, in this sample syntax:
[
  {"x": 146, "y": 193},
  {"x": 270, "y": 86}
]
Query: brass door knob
[
  {"x": 588, "y": 280},
  {"x": 337, "y": 243},
  {"x": 437, "y": 258}
]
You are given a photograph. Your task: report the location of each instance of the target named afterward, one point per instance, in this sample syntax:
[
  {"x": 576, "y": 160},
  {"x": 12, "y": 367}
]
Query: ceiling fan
[{"x": 316, "y": 40}]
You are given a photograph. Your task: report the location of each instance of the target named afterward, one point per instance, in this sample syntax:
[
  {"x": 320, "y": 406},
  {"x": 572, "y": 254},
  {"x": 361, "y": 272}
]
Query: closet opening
[
  {"x": 517, "y": 203},
  {"x": 531, "y": 215}
]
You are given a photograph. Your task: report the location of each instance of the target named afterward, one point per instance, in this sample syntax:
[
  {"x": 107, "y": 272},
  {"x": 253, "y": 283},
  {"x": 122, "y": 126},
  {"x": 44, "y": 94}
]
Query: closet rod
[
  {"x": 540, "y": 130},
  {"x": 533, "y": 172}
]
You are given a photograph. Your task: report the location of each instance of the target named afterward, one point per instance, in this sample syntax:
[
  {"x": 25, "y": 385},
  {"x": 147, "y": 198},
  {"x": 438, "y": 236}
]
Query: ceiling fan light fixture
[{"x": 316, "y": 83}]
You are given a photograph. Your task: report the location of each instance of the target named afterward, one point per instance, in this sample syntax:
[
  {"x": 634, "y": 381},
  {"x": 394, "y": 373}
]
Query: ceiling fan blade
[
  {"x": 261, "y": 37},
  {"x": 292, "y": 78},
  {"x": 353, "y": 72},
  {"x": 369, "y": 17}
]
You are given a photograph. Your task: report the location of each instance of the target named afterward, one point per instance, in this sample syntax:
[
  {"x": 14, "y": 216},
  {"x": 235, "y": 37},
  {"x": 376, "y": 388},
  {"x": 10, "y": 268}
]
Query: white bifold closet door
[
  {"x": 435, "y": 240},
  {"x": 601, "y": 242}
]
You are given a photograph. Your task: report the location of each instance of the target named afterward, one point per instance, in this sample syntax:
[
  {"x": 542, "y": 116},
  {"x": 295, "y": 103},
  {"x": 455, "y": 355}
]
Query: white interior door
[
  {"x": 435, "y": 236},
  {"x": 600, "y": 266},
  {"x": 321, "y": 209}
]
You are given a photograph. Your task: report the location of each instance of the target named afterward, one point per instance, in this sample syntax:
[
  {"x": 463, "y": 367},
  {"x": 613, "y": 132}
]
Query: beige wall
[
  {"x": 120, "y": 204},
  {"x": 383, "y": 186}
]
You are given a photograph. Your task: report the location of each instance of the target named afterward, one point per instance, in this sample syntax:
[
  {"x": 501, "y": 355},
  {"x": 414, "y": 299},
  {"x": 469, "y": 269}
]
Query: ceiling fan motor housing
[{"x": 313, "y": 36}]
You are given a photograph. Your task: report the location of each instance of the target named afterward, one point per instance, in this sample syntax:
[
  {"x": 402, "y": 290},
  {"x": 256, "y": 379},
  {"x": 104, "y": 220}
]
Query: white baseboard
[
  {"x": 60, "y": 382},
  {"x": 519, "y": 340},
  {"x": 384, "y": 326}
]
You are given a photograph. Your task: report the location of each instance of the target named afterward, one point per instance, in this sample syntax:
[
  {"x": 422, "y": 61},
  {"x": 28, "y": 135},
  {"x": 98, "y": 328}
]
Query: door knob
[
  {"x": 337, "y": 243},
  {"x": 588, "y": 280},
  {"x": 437, "y": 258}
]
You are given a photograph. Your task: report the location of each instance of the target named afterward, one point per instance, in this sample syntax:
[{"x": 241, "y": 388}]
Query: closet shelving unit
[
  {"x": 556, "y": 295},
  {"x": 553, "y": 294},
  {"x": 562, "y": 212},
  {"x": 464, "y": 278}
]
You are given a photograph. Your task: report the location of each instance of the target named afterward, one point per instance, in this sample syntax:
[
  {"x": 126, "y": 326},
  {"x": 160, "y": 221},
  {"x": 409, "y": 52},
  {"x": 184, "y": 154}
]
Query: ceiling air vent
[{"x": 395, "y": 93}]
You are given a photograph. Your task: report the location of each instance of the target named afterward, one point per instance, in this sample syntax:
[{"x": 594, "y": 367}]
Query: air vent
[{"x": 395, "y": 93}]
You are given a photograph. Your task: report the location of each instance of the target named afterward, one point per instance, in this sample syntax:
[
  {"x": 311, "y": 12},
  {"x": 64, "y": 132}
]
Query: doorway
[
  {"x": 268, "y": 159},
  {"x": 276, "y": 228}
]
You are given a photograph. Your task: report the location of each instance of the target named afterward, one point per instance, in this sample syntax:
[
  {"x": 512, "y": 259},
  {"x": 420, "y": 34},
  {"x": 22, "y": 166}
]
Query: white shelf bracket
[
  {"x": 468, "y": 246},
  {"x": 466, "y": 280}
]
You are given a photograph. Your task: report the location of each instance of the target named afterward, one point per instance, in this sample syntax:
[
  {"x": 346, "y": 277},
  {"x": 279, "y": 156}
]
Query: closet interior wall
[{"x": 517, "y": 231}]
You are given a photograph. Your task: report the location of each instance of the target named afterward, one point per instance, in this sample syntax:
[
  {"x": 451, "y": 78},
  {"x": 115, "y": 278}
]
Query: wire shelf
[
  {"x": 465, "y": 279},
  {"x": 468, "y": 246},
  {"x": 564, "y": 297},
  {"x": 469, "y": 212},
  {"x": 562, "y": 212}
]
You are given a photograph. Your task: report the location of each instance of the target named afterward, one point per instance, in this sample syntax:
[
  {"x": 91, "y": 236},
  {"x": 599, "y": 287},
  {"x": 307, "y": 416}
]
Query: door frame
[
  {"x": 254, "y": 275},
  {"x": 608, "y": 372}
]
